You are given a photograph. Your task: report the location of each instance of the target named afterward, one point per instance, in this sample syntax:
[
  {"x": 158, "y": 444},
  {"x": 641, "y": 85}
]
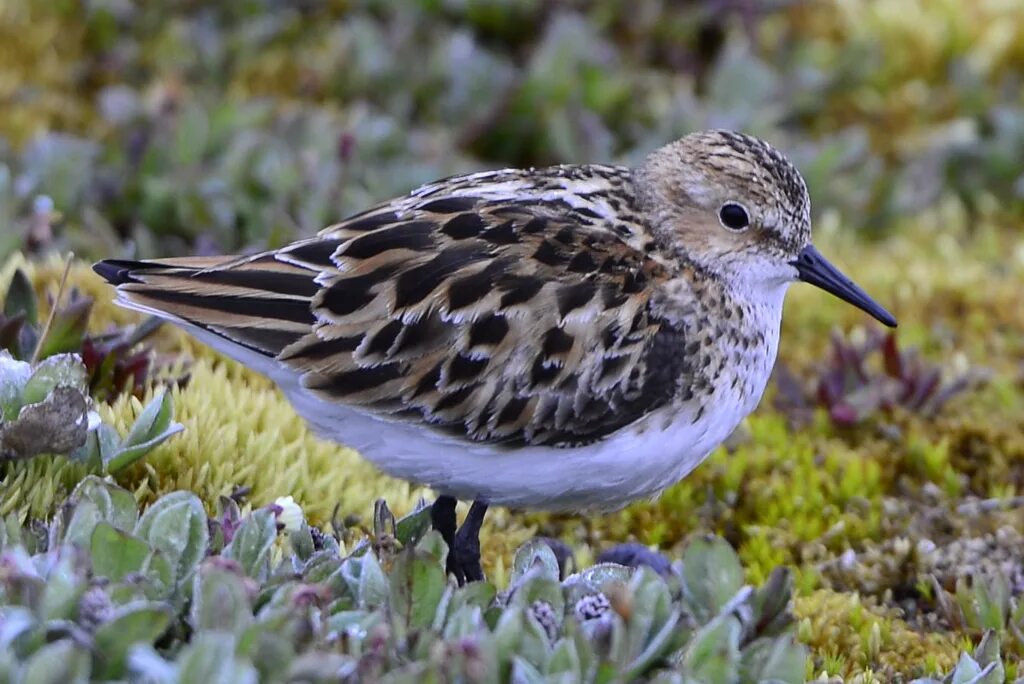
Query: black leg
[
  {"x": 442, "y": 519},
  {"x": 467, "y": 545},
  {"x": 464, "y": 544}
]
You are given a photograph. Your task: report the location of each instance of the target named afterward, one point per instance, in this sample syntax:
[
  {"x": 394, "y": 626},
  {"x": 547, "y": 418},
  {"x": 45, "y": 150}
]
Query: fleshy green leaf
[
  {"x": 176, "y": 526},
  {"x": 712, "y": 572},
  {"x": 146, "y": 665},
  {"x": 60, "y": 370},
  {"x": 565, "y": 660},
  {"x": 594, "y": 579},
  {"x": 131, "y": 624},
  {"x": 14, "y": 375},
  {"x": 220, "y": 600},
  {"x": 116, "y": 554},
  {"x": 535, "y": 552},
  {"x": 652, "y": 604},
  {"x": 780, "y": 659},
  {"x": 433, "y": 545},
  {"x": 713, "y": 654},
  {"x": 63, "y": 588},
  {"x": 523, "y": 671},
  {"x": 373, "y": 583},
  {"x": 21, "y": 299},
  {"x": 96, "y": 500},
  {"x": 18, "y": 621},
  {"x": 61, "y": 662},
  {"x": 153, "y": 426},
  {"x": 967, "y": 671},
  {"x": 479, "y": 594},
  {"x": 771, "y": 601},
  {"x": 417, "y": 584},
  {"x": 411, "y": 528},
  {"x": 211, "y": 658},
  {"x": 987, "y": 655},
  {"x": 252, "y": 541}
]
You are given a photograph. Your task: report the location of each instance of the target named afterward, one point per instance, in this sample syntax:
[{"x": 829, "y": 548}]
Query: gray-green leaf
[
  {"x": 252, "y": 541},
  {"x": 131, "y": 624},
  {"x": 176, "y": 526},
  {"x": 417, "y": 584},
  {"x": 61, "y": 662},
  {"x": 220, "y": 600},
  {"x": 95, "y": 500},
  {"x": 116, "y": 554},
  {"x": 153, "y": 426},
  {"x": 713, "y": 574}
]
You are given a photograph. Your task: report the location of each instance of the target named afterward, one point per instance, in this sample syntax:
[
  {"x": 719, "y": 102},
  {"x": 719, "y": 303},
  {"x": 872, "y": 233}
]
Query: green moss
[{"x": 852, "y": 638}]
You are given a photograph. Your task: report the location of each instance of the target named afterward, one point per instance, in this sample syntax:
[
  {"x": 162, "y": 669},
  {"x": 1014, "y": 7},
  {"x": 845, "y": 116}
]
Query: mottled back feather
[{"x": 496, "y": 321}]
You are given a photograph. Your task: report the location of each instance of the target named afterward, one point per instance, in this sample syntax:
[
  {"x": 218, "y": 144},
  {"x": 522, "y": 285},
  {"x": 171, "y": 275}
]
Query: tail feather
[{"x": 258, "y": 302}]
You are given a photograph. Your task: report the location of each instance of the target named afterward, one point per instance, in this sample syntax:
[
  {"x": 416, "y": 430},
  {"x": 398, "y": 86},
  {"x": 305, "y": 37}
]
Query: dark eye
[{"x": 733, "y": 216}]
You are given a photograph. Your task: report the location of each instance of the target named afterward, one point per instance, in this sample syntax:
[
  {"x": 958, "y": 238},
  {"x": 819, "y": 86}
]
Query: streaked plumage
[{"x": 561, "y": 338}]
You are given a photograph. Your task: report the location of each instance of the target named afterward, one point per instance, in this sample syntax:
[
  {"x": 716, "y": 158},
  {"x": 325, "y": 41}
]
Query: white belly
[{"x": 636, "y": 462}]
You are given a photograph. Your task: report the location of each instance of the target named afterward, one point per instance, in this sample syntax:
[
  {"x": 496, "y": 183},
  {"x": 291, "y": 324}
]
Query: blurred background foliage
[
  {"x": 183, "y": 127},
  {"x": 188, "y": 127}
]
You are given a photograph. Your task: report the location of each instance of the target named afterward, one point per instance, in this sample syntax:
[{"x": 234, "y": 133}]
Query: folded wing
[{"x": 514, "y": 322}]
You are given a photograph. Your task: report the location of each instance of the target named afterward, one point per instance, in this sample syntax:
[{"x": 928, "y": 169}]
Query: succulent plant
[
  {"x": 985, "y": 666},
  {"x": 45, "y": 409},
  {"x": 107, "y": 593},
  {"x": 114, "y": 362},
  {"x": 868, "y": 376},
  {"x": 981, "y": 603},
  {"x": 20, "y": 331}
]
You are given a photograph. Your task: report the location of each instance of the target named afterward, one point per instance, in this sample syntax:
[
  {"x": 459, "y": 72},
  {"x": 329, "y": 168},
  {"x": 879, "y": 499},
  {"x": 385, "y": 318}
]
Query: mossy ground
[
  {"x": 905, "y": 117},
  {"x": 782, "y": 495}
]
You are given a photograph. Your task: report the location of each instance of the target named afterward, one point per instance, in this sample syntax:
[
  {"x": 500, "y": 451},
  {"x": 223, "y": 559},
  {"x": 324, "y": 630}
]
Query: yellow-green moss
[
  {"x": 39, "y": 50},
  {"x": 850, "y": 637}
]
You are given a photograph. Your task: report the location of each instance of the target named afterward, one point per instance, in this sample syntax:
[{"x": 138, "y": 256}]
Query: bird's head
[{"x": 735, "y": 206}]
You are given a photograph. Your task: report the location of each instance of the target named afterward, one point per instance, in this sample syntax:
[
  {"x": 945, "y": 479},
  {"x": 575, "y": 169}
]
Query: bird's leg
[
  {"x": 442, "y": 519},
  {"x": 466, "y": 551},
  {"x": 464, "y": 544}
]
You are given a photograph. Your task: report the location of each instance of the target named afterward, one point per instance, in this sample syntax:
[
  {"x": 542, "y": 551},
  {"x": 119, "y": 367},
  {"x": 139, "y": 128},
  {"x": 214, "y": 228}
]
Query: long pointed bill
[{"x": 816, "y": 270}]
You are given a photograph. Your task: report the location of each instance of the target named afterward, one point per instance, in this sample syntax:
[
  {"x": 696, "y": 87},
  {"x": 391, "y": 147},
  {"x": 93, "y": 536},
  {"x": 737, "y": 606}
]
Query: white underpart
[{"x": 638, "y": 461}]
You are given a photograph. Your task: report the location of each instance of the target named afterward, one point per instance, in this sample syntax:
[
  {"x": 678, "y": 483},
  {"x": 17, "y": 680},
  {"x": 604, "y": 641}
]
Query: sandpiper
[{"x": 566, "y": 338}]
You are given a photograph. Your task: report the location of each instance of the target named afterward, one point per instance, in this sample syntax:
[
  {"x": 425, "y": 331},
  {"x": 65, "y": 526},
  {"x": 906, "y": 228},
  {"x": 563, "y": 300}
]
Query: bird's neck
[{"x": 734, "y": 324}]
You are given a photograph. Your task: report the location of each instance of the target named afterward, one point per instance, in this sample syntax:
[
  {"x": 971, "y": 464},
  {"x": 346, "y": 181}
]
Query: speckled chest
[{"x": 728, "y": 343}]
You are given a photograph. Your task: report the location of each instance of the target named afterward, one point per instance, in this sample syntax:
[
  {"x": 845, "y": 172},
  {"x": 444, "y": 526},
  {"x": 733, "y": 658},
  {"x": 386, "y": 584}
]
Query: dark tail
[{"x": 258, "y": 302}]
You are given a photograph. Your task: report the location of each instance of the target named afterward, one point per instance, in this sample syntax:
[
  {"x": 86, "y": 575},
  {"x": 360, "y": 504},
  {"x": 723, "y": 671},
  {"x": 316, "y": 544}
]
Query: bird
[{"x": 568, "y": 338}]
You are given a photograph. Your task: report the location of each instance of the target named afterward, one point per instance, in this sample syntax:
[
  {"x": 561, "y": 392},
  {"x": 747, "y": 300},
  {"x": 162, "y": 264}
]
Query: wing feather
[{"x": 498, "y": 307}]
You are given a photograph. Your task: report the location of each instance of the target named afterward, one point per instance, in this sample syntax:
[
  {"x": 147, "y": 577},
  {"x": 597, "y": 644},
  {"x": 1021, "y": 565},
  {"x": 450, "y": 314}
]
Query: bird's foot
[
  {"x": 464, "y": 543},
  {"x": 464, "y": 557}
]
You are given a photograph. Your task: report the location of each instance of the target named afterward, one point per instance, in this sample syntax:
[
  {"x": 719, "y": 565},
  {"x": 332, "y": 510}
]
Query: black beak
[{"x": 816, "y": 270}]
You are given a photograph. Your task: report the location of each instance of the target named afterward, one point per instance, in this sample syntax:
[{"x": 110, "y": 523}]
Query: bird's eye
[{"x": 733, "y": 216}]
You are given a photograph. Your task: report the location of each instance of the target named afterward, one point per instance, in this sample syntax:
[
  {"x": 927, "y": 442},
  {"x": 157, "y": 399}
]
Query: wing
[{"x": 494, "y": 308}]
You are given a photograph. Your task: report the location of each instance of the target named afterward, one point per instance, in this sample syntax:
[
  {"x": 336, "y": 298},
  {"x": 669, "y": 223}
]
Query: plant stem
[{"x": 53, "y": 309}]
